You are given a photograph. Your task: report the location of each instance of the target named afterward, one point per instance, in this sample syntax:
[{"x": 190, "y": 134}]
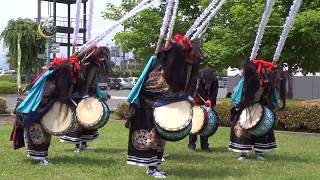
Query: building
[{"x": 117, "y": 59}]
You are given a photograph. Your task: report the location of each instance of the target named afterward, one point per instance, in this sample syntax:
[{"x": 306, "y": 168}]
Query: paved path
[{"x": 117, "y": 96}]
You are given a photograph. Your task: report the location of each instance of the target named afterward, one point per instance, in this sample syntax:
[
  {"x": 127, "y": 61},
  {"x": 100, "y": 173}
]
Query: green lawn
[{"x": 298, "y": 157}]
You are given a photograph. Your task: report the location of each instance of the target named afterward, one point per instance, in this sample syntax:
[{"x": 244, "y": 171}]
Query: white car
[
  {"x": 133, "y": 80},
  {"x": 8, "y": 72},
  {"x": 126, "y": 83}
]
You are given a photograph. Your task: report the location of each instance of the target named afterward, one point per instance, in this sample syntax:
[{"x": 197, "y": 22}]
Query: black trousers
[{"x": 203, "y": 141}]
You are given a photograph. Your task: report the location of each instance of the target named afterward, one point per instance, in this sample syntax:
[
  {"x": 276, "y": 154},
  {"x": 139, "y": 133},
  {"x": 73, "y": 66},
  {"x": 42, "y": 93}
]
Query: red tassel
[{"x": 208, "y": 103}]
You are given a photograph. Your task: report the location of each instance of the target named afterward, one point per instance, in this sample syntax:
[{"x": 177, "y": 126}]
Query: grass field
[{"x": 298, "y": 157}]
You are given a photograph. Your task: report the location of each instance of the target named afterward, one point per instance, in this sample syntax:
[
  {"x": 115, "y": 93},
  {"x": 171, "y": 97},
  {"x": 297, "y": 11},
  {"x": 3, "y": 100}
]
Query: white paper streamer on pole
[
  {"x": 77, "y": 24},
  {"x": 286, "y": 28},
  {"x": 98, "y": 38},
  {"x": 201, "y": 18},
  {"x": 205, "y": 29},
  {"x": 171, "y": 25},
  {"x": 142, "y": 3},
  {"x": 204, "y": 24},
  {"x": 261, "y": 29},
  {"x": 19, "y": 63},
  {"x": 90, "y": 17},
  {"x": 165, "y": 23}
]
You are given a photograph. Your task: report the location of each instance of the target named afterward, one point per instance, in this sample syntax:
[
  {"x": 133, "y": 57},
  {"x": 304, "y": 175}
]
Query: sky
[{"x": 13, "y": 9}]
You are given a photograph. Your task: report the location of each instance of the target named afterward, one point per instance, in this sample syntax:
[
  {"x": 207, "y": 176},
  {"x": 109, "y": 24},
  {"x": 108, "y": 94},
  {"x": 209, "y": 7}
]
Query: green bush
[
  {"x": 8, "y": 87},
  {"x": 297, "y": 115},
  {"x": 10, "y": 78},
  {"x": 3, "y": 105},
  {"x": 122, "y": 110},
  {"x": 301, "y": 115},
  {"x": 118, "y": 73}
]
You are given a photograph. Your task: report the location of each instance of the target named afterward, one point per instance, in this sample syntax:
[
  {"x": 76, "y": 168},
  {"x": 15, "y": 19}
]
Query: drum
[
  {"x": 199, "y": 119},
  {"x": 92, "y": 113},
  {"x": 257, "y": 119},
  {"x": 59, "y": 120},
  {"x": 173, "y": 120},
  {"x": 212, "y": 124}
]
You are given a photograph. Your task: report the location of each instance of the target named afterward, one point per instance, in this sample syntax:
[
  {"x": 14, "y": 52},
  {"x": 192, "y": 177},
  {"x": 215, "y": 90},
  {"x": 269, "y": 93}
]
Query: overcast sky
[{"x": 13, "y": 9}]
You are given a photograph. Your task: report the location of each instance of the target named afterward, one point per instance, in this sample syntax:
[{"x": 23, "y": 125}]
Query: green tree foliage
[
  {"x": 229, "y": 39},
  {"x": 31, "y": 43},
  {"x": 116, "y": 12},
  {"x": 143, "y": 30}
]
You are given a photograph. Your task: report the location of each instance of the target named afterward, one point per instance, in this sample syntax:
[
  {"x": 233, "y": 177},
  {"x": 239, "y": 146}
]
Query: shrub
[
  {"x": 8, "y": 87},
  {"x": 122, "y": 110},
  {"x": 297, "y": 116},
  {"x": 118, "y": 73},
  {"x": 3, "y": 106},
  {"x": 223, "y": 109},
  {"x": 304, "y": 115},
  {"x": 9, "y": 78}
]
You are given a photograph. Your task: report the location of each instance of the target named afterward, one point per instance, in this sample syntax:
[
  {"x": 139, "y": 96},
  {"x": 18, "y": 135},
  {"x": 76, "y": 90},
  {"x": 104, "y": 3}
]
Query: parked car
[
  {"x": 126, "y": 83},
  {"x": 133, "y": 80},
  {"x": 7, "y": 72},
  {"x": 114, "y": 83}
]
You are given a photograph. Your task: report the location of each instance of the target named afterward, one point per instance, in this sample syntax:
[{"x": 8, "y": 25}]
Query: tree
[
  {"x": 142, "y": 31},
  {"x": 235, "y": 29},
  {"x": 230, "y": 37},
  {"x": 31, "y": 44}
]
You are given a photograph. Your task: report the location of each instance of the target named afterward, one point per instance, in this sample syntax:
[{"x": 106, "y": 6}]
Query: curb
[{"x": 7, "y": 115}]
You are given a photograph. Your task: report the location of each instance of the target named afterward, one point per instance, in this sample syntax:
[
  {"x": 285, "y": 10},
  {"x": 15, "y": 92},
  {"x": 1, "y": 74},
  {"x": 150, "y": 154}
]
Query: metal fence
[{"x": 304, "y": 87}]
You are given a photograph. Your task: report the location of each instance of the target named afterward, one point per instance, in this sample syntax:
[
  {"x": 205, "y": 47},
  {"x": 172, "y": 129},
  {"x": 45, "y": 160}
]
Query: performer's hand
[
  {"x": 208, "y": 103},
  {"x": 108, "y": 97}
]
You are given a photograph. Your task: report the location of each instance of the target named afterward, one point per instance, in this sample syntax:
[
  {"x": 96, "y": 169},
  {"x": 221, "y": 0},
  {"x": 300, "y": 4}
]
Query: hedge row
[
  {"x": 9, "y": 78},
  {"x": 9, "y": 87},
  {"x": 297, "y": 116},
  {"x": 117, "y": 73}
]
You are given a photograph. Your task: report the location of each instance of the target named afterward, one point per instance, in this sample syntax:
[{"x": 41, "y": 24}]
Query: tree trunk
[{"x": 290, "y": 82}]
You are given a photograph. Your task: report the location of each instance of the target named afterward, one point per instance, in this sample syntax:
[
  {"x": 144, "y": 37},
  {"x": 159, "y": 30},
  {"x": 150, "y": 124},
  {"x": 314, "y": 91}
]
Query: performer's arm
[{"x": 214, "y": 92}]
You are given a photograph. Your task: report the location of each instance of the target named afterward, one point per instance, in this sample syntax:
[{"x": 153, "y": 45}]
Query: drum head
[
  {"x": 58, "y": 120},
  {"x": 198, "y": 118},
  {"x": 89, "y": 111},
  {"x": 250, "y": 116},
  {"x": 174, "y": 116}
]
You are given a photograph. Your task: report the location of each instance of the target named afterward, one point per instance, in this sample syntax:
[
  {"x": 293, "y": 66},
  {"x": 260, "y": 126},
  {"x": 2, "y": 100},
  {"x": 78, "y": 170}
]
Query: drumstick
[
  {"x": 201, "y": 98},
  {"x": 73, "y": 102}
]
